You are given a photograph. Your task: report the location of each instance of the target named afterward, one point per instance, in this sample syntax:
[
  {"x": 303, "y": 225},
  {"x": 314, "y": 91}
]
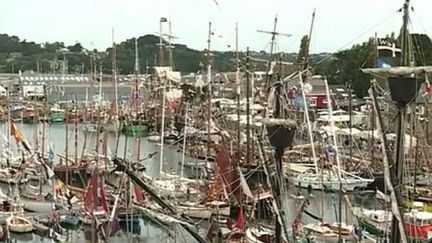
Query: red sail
[
  {"x": 240, "y": 222},
  {"x": 223, "y": 162},
  {"x": 139, "y": 196},
  {"x": 103, "y": 199},
  {"x": 90, "y": 192}
]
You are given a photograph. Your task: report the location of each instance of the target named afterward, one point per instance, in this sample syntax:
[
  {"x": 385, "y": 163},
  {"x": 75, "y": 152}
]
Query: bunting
[
  {"x": 15, "y": 133},
  {"x": 19, "y": 139}
]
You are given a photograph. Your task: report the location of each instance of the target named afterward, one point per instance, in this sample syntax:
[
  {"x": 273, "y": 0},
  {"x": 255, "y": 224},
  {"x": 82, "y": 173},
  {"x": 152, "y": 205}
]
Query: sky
[{"x": 338, "y": 23}]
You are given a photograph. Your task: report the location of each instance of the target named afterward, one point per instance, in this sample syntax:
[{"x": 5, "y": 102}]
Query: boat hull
[
  {"x": 18, "y": 224},
  {"x": 56, "y": 118},
  {"x": 132, "y": 130},
  {"x": 37, "y": 206},
  {"x": 70, "y": 222},
  {"x": 195, "y": 211}
]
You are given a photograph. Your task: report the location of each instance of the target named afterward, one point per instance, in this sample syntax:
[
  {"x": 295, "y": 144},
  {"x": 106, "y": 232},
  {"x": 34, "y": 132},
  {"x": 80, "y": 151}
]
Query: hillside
[{"x": 339, "y": 68}]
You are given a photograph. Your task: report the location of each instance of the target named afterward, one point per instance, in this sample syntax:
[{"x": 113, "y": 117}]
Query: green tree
[{"x": 304, "y": 50}]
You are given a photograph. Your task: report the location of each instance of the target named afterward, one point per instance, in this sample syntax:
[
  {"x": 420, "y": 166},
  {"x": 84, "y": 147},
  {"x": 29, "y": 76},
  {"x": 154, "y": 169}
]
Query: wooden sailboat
[
  {"x": 135, "y": 125},
  {"x": 95, "y": 197},
  {"x": 18, "y": 224}
]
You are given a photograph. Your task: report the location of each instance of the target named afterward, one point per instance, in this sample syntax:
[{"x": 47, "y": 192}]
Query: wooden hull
[
  {"x": 19, "y": 224},
  {"x": 132, "y": 130},
  {"x": 30, "y": 120}
]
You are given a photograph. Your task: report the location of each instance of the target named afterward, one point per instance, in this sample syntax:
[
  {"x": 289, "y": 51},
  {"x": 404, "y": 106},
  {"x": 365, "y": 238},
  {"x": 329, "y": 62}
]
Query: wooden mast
[
  {"x": 406, "y": 60},
  {"x": 247, "y": 109},
  {"x": 209, "y": 104},
  {"x": 238, "y": 82}
]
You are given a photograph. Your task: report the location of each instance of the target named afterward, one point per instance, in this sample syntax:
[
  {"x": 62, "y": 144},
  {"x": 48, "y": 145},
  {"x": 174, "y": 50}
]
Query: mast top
[{"x": 136, "y": 68}]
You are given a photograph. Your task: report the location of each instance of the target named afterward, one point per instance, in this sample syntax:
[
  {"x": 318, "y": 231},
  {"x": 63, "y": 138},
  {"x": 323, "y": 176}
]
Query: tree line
[{"x": 339, "y": 68}]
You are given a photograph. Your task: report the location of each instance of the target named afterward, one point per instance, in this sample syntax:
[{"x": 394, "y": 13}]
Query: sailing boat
[
  {"x": 95, "y": 196},
  {"x": 19, "y": 224},
  {"x": 56, "y": 115},
  {"x": 328, "y": 179},
  {"x": 135, "y": 125}
]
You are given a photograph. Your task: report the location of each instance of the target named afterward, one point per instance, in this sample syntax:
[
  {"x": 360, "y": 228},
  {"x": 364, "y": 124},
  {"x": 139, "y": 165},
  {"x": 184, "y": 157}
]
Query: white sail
[{"x": 245, "y": 187}]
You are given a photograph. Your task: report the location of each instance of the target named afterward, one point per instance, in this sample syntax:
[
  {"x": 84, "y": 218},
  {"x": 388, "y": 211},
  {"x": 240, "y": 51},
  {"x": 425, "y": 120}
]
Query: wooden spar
[
  {"x": 161, "y": 53},
  {"x": 303, "y": 77},
  {"x": 184, "y": 140},
  {"x": 114, "y": 75},
  {"x": 238, "y": 157},
  {"x": 269, "y": 63},
  {"x": 122, "y": 166},
  {"x": 44, "y": 120},
  {"x": 306, "y": 61},
  {"x": 209, "y": 108},
  {"x": 388, "y": 183},
  {"x": 306, "y": 111},
  {"x": 162, "y": 135},
  {"x": 247, "y": 108},
  {"x": 335, "y": 144},
  {"x": 76, "y": 131},
  {"x": 67, "y": 145}
]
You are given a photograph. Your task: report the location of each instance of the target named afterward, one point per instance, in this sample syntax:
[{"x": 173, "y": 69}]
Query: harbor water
[{"x": 320, "y": 204}]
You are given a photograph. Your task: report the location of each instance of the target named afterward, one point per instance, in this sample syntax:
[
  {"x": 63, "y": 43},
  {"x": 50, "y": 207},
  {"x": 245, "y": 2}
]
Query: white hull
[
  {"x": 161, "y": 217},
  {"x": 90, "y": 128},
  {"x": 112, "y": 128},
  {"x": 19, "y": 224},
  {"x": 154, "y": 138},
  {"x": 199, "y": 212},
  {"x": 252, "y": 235},
  {"x": 222, "y": 211},
  {"x": 330, "y": 181},
  {"x": 37, "y": 206}
]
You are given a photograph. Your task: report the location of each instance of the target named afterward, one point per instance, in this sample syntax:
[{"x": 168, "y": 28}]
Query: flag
[
  {"x": 163, "y": 19},
  {"x": 15, "y": 133},
  {"x": 386, "y": 52},
  {"x": 51, "y": 154},
  {"x": 387, "y": 48},
  {"x": 426, "y": 87},
  {"x": 49, "y": 172},
  {"x": 382, "y": 63}
]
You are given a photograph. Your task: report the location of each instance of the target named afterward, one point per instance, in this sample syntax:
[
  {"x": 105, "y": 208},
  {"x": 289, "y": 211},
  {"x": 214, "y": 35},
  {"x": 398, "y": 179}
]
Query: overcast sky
[{"x": 338, "y": 23}]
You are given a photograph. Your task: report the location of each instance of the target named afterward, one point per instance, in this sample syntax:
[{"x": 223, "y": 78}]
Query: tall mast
[
  {"x": 162, "y": 135},
  {"x": 136, "y": 66},
  {"x": 303, "y": 78},
  {"x": 161, "y": 54},
  {"x": 306, "y": 61},
  {"x": 248, "y": 94},
  {"x": 209, "y": 109},
  {"x": 114, "y": 73},
  {"x": 398, "y": 234},
  {"x": 170, "y": 48},
  {"x": 238, "y": 99},
  {"x": 406, "y": 57},
  {"x": 272, "y": 43},
  {"x": 136, "y": 71}
]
